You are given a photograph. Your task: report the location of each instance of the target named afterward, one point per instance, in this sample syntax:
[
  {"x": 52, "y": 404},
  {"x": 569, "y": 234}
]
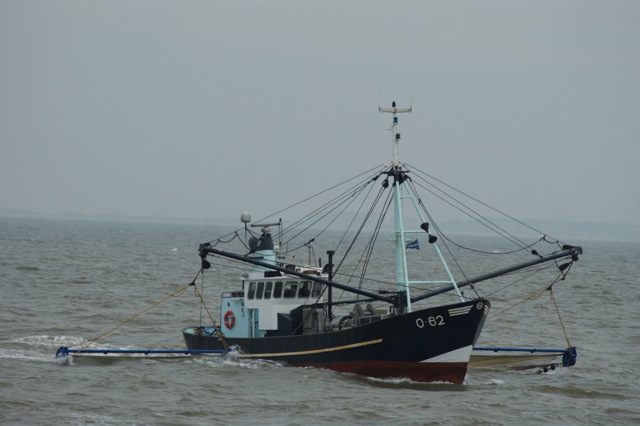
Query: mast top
[{"x": 396, "y": 136}]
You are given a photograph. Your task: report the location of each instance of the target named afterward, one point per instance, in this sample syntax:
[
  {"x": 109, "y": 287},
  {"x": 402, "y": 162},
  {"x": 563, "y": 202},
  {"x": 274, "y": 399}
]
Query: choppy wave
[
  {"x": 27, "y": 268},
  {"x": 579, "y": 392},
  {"x": 121, "y": 269},
  {"x": 77, "y": 418}
]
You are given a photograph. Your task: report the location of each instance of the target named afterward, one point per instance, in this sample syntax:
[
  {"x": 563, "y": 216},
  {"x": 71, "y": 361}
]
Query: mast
[
  {"x": 402, "y": 190},
  {"x": 402, "y": 275}
]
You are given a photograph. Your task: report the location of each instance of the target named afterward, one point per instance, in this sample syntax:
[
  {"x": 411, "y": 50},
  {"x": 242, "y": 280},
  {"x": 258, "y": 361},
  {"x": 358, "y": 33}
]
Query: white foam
[
  {"x": 45, "y": 341},
  {"x": 25, "y": 355},
  {"x": 229, "y": 360}
]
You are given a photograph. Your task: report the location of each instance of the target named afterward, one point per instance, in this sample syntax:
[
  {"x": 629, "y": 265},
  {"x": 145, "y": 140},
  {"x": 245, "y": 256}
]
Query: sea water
[{"x": 65, "y": 281}]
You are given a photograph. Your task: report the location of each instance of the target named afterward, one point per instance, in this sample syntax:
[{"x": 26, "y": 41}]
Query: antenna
[{"x": 411, "y": 93}]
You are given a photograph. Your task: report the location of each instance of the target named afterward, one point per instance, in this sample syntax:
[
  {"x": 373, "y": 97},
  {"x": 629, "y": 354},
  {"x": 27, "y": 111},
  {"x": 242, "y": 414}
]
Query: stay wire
[
  {"x": 374, "y": 239},
  {"x": 360, "y": 229},
  {"x": 365, "y": 257},
  {"x": 353, "y": 219},
  {"x": 320, "y": 193},
  {"x": 477, "y": 201},
  {"x": 480, "y": 219},
  {"x": 355, "y": 238},
  {"x": 344, "y": 200}
]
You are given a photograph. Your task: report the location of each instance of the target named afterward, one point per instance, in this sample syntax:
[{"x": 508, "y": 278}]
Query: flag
[{"x": 413, "y": 245}]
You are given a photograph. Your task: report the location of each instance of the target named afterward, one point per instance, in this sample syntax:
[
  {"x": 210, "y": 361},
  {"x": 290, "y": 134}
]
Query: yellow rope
[
  {"x": 564, "y": 331},
  {"x": 195, "y": 288},
  {"x": 176, "y": 294},
  {"x": 218, "y": 330},
  {"x": 535, "y": 296},
  {"x": 529, "y": 298}
]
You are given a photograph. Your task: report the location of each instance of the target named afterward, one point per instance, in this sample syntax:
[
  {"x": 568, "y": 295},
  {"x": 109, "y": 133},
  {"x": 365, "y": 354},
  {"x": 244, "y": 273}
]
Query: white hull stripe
[
  {"x": 458, "y": 355},
  {"x": 459, "y": 311},
  {"x": 311, "y": 352}
]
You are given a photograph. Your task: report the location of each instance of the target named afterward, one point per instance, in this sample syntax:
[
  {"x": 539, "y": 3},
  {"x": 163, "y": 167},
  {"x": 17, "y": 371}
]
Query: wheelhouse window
[
  {"x": 305, "y": 289},
  {"x": 317, "y": 290},
  {"x": 252, "y": 290},
  {"x": 277, "y": 290},
  {"x": 260, "y": 290},
  {"x": 290, "y": 289},
  {"x": 268, "y": 290}
]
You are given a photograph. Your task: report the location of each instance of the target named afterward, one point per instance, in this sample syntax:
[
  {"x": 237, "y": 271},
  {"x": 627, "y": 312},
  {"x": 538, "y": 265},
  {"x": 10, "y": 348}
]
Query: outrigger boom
[
  {"x": 568, "y": 251},
  {"x": 64, "y": 351}
]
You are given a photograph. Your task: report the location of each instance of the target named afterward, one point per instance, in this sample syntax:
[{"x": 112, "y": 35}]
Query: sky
[{"x": 205, "y": 109}]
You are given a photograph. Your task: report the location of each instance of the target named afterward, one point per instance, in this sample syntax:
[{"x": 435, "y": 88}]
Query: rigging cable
[
  {"x": 319, "y": 193},
  {"x": 345, "y": 199},
  {"x": 374, "y": 238},
  {"x": 478, "y": 218},
  {"x": 478, "y": 201},
  {"x": 359, "y": 231},
  {"x": 220, "y": 240},
  {"x": 235, "y": 232},
  {"x": 368, "y": 250},
  {"x": 355, "y": 215},
  {"x": 510, "y": 236}
]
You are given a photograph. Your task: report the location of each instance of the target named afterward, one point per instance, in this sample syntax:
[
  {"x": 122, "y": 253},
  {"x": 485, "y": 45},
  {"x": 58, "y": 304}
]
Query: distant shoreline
[{"x": 556, "y": 229}]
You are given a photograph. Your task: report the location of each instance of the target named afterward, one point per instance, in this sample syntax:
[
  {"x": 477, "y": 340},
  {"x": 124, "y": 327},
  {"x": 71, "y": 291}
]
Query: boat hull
[{"x": 428, "y": 345}]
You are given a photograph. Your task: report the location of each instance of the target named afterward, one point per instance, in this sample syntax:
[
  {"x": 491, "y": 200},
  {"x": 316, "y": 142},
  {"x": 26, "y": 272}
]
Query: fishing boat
[{"x": 365, "y": 310}]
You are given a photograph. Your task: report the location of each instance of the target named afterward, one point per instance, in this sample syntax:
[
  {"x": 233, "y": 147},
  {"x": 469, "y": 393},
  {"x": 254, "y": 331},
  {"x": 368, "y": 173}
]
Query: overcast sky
[{"x": 205, "y": 109}]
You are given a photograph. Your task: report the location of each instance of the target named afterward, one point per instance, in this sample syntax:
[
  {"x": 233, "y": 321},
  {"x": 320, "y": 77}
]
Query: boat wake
[
  {"x": 231, "y": 360},
  {"x": 25, "y": 355},
  {"x": 47, "y": 342},
  {"x": 35, "y": 348}
]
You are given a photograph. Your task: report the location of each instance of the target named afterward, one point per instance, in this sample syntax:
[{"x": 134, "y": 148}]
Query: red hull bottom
[{"x": 451, "y": 372}]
